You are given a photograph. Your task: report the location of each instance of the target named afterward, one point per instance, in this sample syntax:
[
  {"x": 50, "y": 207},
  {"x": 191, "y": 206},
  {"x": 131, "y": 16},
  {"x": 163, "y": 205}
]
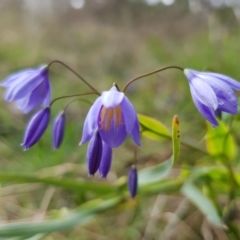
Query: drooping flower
[
  {"x": 94, "y": 153},
  {"x": 36, "y": 127},
  {"x": 113, "y": 115},
  {"x": 29, "y": 88},
  {"x": 106, "y": 161},
  {"x": 211, "y": 92},
  {"x": 133, "y": 181},
  {"x": 58, "y": 130}
]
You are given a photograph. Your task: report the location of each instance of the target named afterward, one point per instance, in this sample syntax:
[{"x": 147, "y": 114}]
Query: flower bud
[
  {"x": 133, "y": 181},
  {"x": 58, "y": 130},
  {"x": 106, "y": 161},
  {"x": 36, "y": 127},
  {"x": 94, "y": 153}
]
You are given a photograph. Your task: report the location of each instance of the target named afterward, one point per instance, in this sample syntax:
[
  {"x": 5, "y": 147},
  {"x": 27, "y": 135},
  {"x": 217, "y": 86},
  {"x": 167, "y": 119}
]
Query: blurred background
[{"x": 110, "y": 41}]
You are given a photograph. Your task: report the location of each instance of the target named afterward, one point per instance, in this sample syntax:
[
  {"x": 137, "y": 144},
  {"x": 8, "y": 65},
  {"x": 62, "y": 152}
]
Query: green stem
[
  {"x": 233, "y": 183},
  {"x": 150, "y": 73},
  {"x": 75, "y": 100},
  {"x": 184, "y": 143},
  {"x": 69, "y": 96},
  {"x": 75, "y": 73}
]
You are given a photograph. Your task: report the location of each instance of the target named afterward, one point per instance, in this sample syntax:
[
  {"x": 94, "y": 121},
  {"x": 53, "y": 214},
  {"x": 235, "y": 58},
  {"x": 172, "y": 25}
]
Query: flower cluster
[
  {"x": 110, "y": 119},
  {"x": 30, "y": 89},
  {"x": 112, "y": 116}
]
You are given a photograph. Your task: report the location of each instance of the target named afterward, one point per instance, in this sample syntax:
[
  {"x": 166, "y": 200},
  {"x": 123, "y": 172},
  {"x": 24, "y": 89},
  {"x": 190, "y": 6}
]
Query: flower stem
[
  {"x": 75, "y": 73},
  {"x": 68, "y": 96},
  {"x": 150, "y": 73},
  {"x": 78, "y": 99},
  {"x": 233, "y": 185}
]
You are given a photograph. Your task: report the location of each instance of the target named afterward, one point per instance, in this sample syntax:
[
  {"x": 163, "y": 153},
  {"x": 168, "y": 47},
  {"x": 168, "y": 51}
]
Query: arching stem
[
  {"x": 150, "y": 73},
  {"x": 75, "y": 100},
  {"x": 68, "y": 96},
  {"x": 75, "y": 73}
]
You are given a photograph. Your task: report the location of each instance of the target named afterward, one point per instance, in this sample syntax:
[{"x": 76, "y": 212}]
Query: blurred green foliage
[{"x": 115, "y": 44}]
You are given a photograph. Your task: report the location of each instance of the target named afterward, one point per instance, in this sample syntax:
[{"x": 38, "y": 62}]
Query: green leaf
[
  {"x": 79, "y": 216},
  {"x": 37, "y": 236},
  {"x": 165, "y": 186},
  {"x": 204, "y": 204},
  {"x": 153, "y": 129},
  {"x": 156, "y": 173},
  {"x": 175, "y": 138},
  {"x": 77, "y": 185},
  {"x": 219, "y": 141}
]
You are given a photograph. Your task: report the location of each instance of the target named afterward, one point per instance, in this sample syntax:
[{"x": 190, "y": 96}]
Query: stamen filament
[{"x": 107, "y": 115}]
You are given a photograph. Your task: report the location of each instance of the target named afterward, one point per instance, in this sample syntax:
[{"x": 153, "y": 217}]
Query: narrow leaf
[
  {"x": 175, "y": 138},
  {"x": 67, "y": 183},
  {"x": 156, "y": 173},
  {"x": 204, "y": 204},
  {"x": 79, "y": 216},
  {"x": 152, "y": 128}
]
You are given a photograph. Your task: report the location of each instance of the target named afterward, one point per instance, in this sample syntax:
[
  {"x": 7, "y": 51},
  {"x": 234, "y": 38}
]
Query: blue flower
[
  {"x": 212, "y": 92},
  {"x": 58, "y": 130},
  {"x": 132, "y": 181},
  {"x": 29, "y": 88},
  {"x": 106, "y": 161},
  {"x": 113, "y": 115},
  {"x": 36, "y": 127},
  {"x": 94, "y": 153}
]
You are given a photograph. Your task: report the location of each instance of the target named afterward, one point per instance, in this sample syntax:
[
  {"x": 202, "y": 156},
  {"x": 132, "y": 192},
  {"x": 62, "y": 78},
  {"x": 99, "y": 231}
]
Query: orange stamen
[{"x": 107, "y": 115}]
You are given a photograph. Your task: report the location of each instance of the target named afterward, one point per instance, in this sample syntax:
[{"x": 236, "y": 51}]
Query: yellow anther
[{"x": 107, "y": 115}]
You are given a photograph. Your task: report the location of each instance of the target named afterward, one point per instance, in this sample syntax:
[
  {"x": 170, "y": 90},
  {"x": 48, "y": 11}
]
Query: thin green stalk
[
  {"x": 75, "y": 73},
  {"x": 184, "y": 143},
  {"x": 150, "y": 73}
]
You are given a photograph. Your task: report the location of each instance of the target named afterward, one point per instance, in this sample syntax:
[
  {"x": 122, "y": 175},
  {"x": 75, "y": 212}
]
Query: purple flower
[
  {"x": 58, "y": 130},
  {"x": 29, "y": 88},
  {"x": 113, "y": 115},
  {"x": 36, "y": 127},
  {"x": 132, "y": 181},
  {"x": 94, "y": 153},
  {"x": 106, "y": 161},
  {"x": 212, "y": 92}
]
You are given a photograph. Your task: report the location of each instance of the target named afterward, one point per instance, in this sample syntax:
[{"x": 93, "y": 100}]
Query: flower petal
[
  {"x": 94, "y": 153},
  {"x": 207, "y": 112},
  {"x": 112, "y": 98},
  {"x": 91, "y": 121},
  {"x": 227, "y": 100},
  {"x": 58, "y": 130},
  {"x": 129, "y": 114},
  {"x": 36, "y": 128},
  {"x": 16, "y": 77},
  {"x": 203, "y": 92},
  {"x": 135, "y": 133},
  {"x": 115, "y": 134},
  {"x": 48, "y": 94},
  {"x": 19, "y": 90},
  {"x": 133, "y": 181},
  {"x": 35, "y": 99},
  {"x": 106, "y": 161},
  {"x": 228, "y": 80}
]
